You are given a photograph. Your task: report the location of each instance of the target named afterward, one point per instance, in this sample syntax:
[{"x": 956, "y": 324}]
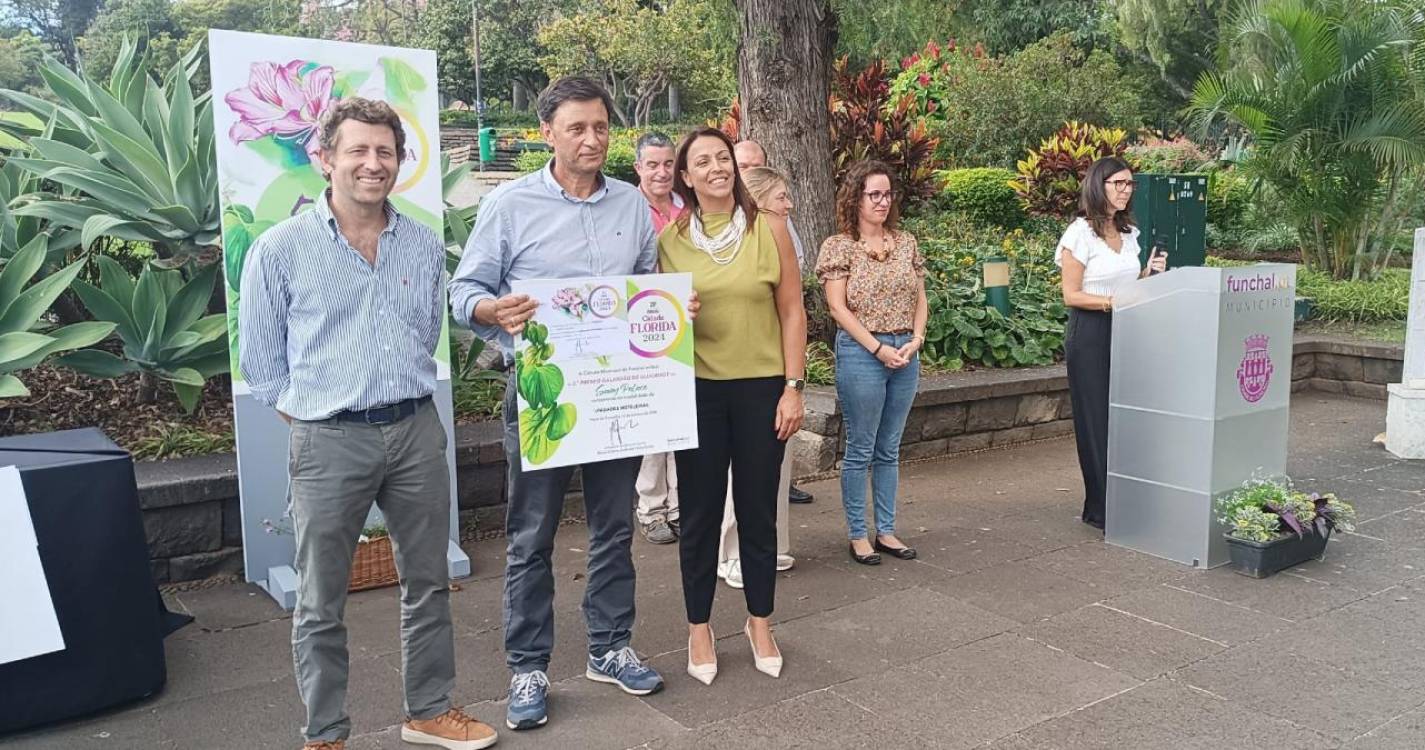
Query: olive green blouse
[{"x": 738, "y": 333}]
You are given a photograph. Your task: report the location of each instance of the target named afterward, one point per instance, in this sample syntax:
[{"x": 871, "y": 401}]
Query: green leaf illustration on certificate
[{"x": 604, "y": 370}]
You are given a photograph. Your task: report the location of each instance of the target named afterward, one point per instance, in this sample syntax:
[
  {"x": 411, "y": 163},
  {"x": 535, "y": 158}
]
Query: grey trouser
[
  {"x": 337, "y": 470},
  {"x": 536, "y": 500}
]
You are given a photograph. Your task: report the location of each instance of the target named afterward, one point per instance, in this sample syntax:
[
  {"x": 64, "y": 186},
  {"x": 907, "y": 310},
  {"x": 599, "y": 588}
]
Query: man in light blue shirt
[
  {"x": 341, "y": 311},
  {"x": 566, "y": 220}
]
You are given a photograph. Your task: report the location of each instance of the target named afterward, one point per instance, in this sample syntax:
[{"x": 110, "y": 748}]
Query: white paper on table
[{"x": 28, "y": 625}]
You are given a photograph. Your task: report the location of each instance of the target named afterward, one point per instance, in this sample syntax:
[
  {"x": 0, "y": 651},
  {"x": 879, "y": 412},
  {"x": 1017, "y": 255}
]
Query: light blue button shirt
[
  {"x": 530, "y": 228},
  {"x": 320, "y": 330}
]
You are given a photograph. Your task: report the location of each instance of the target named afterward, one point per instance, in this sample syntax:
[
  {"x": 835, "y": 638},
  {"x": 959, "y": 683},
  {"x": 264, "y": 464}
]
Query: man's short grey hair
[
  {"x": 575, "y": 89},
  {"x": 651, "y": 139}
]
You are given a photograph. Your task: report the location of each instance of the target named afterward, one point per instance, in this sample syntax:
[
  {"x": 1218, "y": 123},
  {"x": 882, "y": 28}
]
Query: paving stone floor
[{"x": 1017, "y": 629}]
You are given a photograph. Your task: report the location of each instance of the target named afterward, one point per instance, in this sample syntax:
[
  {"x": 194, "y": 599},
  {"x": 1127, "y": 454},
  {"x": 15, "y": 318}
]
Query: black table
[{"x": 85, "y": 509}]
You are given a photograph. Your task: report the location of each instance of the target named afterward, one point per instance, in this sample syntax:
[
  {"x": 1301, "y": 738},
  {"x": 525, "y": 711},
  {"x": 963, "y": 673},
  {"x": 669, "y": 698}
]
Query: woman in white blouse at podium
[{"x": 1099, "y": 255}]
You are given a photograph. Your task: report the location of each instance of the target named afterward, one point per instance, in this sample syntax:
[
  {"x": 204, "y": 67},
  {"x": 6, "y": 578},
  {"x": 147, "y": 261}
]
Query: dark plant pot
[{"x": 1262, "y": 559}]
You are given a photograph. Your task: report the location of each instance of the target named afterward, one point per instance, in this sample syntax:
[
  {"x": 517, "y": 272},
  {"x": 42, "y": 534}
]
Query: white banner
[{"x": 269, "y": 93}]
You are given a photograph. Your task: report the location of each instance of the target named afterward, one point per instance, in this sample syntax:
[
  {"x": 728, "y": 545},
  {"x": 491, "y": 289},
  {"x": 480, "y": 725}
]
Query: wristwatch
[{"x": 796, "y": 384}]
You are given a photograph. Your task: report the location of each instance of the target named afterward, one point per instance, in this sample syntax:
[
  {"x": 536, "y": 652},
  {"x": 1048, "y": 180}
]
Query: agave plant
[
  {"x": 18, "y": 187},
  {"x": 1332, "y": 93},
  {"x": 22, "y": 346},
  {"x": 161, "y": 322},
  {"x": 137, "y": 154},
  {"x": 458, "y": 223}
]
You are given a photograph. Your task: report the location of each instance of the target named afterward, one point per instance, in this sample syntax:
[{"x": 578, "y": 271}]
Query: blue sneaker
[
  {"x": 527, "y": 701},
  {"x": 622, "y": 667}
]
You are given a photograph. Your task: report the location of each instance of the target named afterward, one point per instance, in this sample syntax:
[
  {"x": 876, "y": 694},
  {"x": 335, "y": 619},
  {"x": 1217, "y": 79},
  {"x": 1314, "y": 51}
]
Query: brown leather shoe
[
  {"x": 324, "y": 745},
  {"x": 452, "y": 730}
]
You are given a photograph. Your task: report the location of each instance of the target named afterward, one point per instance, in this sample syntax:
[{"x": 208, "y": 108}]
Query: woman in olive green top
[{"x": 750, "y": 356}]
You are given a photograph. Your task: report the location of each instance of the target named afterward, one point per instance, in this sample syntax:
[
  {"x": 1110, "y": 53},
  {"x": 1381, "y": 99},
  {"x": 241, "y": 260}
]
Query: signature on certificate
[{"x": 616, "y": 428}]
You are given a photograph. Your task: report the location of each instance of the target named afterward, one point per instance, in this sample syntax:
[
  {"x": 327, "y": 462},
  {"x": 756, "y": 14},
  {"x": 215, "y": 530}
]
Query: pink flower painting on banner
[{"x": 286, "y": 101}]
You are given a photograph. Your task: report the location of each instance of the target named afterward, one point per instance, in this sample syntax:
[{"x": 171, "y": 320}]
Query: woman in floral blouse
[{"x": 874, "y": 277}]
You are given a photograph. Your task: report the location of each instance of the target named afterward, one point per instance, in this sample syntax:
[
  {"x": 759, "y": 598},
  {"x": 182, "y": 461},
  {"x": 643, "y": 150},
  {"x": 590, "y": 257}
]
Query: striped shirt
[
  {"x": 530, "y": 228},
  {"x": 322, "y": 331}
]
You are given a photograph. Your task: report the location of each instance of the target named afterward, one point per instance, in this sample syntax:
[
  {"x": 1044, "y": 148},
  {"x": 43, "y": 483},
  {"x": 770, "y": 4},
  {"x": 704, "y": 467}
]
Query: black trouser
[
  {"x": 1088, "y": 340},
  {"x": 735, "y": 424}
]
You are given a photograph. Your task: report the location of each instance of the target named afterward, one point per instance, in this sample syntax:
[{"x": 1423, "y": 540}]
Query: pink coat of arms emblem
[{"x": 1254, "y": 373}]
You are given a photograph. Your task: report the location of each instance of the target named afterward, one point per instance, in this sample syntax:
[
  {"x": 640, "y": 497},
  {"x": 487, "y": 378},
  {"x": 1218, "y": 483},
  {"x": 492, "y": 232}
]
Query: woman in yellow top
[{"x": 750, "y": 357}]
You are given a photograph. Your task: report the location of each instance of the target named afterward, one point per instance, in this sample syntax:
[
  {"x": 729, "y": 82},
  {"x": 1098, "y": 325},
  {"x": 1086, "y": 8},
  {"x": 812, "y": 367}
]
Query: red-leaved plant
[{"x": 867, "y": 124}]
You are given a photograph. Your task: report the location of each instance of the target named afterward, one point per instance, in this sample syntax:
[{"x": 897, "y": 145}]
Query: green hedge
[
  {"x": 984, "y": 195},
  {"x": 962, "y": 331},
  {"x": 619, "y": 164},
  {"x": 1229, "y": 198},
  {"x": 1382, "y": 299}
]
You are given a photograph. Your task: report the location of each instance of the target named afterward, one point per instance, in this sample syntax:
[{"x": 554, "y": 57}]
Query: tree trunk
[
  {"x": 675, "y": 106},
  {"x": 519, "y": 97},
  {"x": 783, "y": 81}
]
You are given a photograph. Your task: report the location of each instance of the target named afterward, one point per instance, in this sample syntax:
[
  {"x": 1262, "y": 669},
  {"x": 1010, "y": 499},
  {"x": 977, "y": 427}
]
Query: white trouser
[{"x": 728, "y": 550}]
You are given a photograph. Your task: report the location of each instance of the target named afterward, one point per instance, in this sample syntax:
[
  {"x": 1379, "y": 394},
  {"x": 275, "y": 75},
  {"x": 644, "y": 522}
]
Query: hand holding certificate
[{"x": 604, "y": 369}]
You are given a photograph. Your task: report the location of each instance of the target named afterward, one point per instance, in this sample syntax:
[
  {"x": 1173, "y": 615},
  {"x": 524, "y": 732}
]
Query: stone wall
[
  {"x": 953, "y": 413},
  {"x": 1357, "y": 368},
  {"x": 194, "y": 526}
]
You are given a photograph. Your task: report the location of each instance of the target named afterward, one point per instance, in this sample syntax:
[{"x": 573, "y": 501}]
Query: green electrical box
[{"x": 1171, "y": 211}]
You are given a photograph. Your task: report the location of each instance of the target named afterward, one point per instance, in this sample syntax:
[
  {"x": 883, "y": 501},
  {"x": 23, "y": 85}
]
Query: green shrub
[
  {"x": 1229, "y": 198},
  {"x": 532, "y": 161},
  {"x": 499, "y": 116},
  {"x": 619, "y": 164},
  {"x": 985, "y": 195},
  {"x": 821, "y": 364},
  {"x": 962, "y": 331},
  {"x": 1383, "y": 299},
  {"x": 1386, "y": 297},
  {"x": 990, "y": 110}
]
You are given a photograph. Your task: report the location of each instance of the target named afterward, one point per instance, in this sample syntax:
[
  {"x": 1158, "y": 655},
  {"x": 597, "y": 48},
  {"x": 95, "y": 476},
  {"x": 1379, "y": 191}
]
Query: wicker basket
[{"x": 374, "y": 565}]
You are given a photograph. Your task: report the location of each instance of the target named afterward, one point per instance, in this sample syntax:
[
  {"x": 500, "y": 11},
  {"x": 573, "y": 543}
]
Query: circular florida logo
[
  {"x": 656, "y": 323},
  {"x": 603, "y": 301}
]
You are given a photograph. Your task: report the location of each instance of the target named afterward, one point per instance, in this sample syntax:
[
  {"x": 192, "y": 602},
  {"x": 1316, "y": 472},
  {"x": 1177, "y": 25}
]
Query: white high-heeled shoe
[
  {"x": 769, "y": 665},
  {"x": 703, "y": 673}
]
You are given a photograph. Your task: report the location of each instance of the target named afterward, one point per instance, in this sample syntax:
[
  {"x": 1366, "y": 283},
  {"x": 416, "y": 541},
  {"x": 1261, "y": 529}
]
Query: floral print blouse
[{"x": 882, "y": 294}]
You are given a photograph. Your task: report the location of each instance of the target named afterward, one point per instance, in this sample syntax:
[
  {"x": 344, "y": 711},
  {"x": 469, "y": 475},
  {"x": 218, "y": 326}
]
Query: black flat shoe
[
  {"x": 798, "y": 495},
  {"x": 871, "y": 559},
  {"x": 904, "y": 553},
  {"x": 1096, "y": 524}
]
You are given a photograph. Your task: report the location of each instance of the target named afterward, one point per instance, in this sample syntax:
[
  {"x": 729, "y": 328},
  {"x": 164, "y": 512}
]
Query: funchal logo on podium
[{"x": 1254, "y": 373}]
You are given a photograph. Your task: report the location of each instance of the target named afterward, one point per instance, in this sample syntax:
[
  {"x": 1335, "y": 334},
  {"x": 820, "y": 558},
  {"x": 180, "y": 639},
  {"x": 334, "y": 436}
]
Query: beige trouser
[
  {"x": 657, "y": 487},
  {"x": 727, "y": 550}
]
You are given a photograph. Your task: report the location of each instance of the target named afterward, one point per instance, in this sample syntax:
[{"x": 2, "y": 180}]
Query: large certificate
[{"x": 604, "y": 369}]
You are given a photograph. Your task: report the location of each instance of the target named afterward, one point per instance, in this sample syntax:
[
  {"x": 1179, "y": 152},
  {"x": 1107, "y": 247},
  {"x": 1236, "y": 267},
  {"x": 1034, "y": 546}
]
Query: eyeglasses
[
  {"x": 1120, "y": 184},
  {"x": 878, "y": 196}
]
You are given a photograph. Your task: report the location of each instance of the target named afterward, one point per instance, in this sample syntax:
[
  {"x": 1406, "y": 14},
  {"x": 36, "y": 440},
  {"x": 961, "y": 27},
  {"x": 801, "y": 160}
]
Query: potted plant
[{"x": 1272, "y": 527}]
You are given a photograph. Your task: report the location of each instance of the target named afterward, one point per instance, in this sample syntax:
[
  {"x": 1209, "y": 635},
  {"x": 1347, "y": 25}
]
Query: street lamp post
[{"x": 479, "y": 97}]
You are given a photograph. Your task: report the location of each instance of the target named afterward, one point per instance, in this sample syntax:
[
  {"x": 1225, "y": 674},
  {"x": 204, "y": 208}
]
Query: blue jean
[{"x": 875, "y": 401}]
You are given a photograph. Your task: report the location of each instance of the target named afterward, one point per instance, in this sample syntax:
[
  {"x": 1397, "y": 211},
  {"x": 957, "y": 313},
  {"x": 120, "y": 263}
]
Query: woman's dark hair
[
  {"x": 740, "y": 196},
  {"x": 852, "y": 190},
  {"x": 1093, "y": 197}
]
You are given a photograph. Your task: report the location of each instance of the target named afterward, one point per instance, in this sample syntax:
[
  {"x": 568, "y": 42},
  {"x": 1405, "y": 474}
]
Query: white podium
[{"x": 1198, "y": 403}]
